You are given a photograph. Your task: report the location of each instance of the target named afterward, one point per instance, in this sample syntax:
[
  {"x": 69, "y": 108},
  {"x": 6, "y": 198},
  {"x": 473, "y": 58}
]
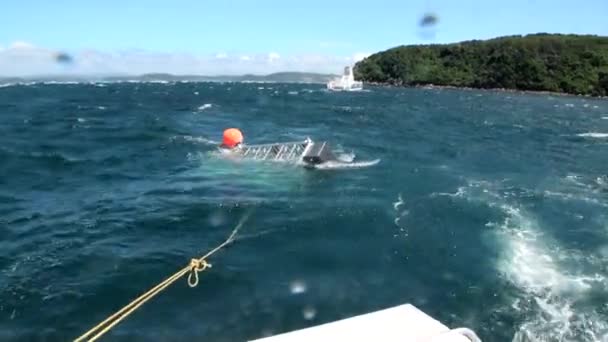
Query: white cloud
[
  {"x": 24, "y": 59},
  {"x": 273, "y": 56},
  {"x": 359, "y": 56},
  {"x": 20, "y": 45}
]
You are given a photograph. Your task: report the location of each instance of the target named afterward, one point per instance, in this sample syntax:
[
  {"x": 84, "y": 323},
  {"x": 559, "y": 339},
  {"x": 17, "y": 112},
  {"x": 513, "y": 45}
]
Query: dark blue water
[{"x": 487, "y": 210}]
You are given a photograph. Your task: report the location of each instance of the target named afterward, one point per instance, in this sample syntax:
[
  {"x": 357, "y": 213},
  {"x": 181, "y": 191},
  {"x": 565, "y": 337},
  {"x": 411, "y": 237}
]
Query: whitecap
[
  {"x": 335, "y": 165},
  {"x": 205, "y": 106},
  {"x": 596, "y": 135},
  {"x": 460, "y": 192},
  {"x": 567, "y": 197},
  {"x": 190, "y": 138}
]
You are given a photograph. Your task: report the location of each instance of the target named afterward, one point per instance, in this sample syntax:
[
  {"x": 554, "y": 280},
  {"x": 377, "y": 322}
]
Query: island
[{"x": 573, "y": 64}]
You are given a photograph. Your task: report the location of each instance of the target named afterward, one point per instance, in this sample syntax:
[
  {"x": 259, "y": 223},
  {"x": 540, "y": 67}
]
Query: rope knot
[{"x": 196, "y": 265}]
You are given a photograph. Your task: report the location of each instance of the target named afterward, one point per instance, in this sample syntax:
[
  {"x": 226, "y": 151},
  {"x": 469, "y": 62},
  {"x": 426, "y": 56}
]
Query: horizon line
[{"x": 160, "y": 73}]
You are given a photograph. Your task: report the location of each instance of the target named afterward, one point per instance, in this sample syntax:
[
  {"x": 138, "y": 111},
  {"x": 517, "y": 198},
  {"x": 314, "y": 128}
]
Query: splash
[
  {"x": 346, "y": 157},
  {"x": 553, "y": 282},
  {"x": 402, "y": 212}
]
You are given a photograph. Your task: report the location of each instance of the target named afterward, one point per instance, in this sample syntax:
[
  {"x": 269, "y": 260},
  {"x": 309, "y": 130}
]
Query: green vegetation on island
[{"x": 575, "y": 64}]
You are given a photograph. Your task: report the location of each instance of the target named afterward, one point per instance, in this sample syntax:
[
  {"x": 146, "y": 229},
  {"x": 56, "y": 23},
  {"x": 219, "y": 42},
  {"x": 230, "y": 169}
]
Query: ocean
[{"x": 487, "y": 210}]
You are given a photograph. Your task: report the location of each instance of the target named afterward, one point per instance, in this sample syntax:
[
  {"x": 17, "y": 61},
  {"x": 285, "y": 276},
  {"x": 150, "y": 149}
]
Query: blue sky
[{"x": 263, "y": 35}]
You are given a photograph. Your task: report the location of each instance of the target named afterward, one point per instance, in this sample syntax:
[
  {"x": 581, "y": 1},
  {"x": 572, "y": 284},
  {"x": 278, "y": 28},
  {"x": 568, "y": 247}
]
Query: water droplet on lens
[
  {"x": 267, "y": 333},
  {"x": 297, "y": 287},
  {"x": 309, "y": 313},
  {"x": 216, "y": 219}
]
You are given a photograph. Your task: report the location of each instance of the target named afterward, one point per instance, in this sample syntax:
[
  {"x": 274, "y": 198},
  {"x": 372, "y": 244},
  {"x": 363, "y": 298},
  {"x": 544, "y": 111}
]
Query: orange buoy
[{"x": 232, "y": 137}]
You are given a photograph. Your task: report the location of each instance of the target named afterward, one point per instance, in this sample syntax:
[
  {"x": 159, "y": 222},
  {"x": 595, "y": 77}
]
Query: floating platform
[
  {"x": 307, "y": 152},
  {"x": 404, "y": 323},
  {"x": 288, "y": 151}
]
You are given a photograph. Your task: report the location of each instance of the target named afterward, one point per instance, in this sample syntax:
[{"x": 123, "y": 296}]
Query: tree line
[{"x": 575, "y": 64}]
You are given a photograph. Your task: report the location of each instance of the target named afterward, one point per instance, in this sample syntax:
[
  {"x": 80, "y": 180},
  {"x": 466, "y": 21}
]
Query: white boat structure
[
  {"x": 403, "y": 323},
  {"x": 307, "y": 153},
  {"x": 346, "y": 82},
  {"x": 304, "y": 152}
]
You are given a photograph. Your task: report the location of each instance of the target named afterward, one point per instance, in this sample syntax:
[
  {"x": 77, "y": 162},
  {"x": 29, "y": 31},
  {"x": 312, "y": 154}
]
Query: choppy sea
[{"x": 487, "y": 210}]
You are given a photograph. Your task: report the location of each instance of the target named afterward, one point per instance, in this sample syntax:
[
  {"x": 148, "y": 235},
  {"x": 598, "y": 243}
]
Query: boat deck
[{"x": 397, "y": 324}]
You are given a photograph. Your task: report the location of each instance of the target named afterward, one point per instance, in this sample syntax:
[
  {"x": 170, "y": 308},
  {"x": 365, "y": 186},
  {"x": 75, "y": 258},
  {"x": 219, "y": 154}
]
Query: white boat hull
[
  {"x": 398, "y": 324},
  {"x": 346, "y": 82},
  {"x": 354, "y": 87}
]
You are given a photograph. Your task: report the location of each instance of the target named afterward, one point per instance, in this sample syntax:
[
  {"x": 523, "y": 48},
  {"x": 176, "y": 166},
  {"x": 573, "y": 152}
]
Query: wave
[
  {"x": 593, "y": 135},
  {"x": 205, "y": 106},
  {"x": 553, "y": 282},
  {"x": 566, "y": 196},
  {"x": 336, "y": 165},
  {"x": 50, "y": 157},
  {"x": 189, "y": 138},
  {"x": 346, "y": 109}
]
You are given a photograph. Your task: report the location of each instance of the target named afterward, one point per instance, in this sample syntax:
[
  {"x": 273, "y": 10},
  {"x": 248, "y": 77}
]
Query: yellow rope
[{"x": 195, "y": 266}]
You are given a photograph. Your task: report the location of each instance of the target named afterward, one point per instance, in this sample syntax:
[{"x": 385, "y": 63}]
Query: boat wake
[{"x": 555, "y": 284}]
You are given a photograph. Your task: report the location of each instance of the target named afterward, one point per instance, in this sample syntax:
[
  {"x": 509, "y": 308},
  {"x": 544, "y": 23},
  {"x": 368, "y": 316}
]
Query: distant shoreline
[
  {"x": 278, "y": 77},
  {"x": 376, "y": 84},
  {"x": 502, "y": 90}
]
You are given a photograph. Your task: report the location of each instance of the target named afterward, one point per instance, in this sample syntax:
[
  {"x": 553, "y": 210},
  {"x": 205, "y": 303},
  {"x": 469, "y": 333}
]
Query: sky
[{"x": 215, "y": 37}]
